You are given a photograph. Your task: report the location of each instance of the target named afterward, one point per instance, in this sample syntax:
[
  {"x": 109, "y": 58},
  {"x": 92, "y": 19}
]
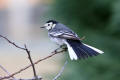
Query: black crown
[{"x": 53, "y": 21}]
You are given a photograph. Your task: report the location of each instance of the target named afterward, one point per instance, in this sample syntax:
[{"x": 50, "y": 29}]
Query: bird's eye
[{"x": 48, "y": 24}]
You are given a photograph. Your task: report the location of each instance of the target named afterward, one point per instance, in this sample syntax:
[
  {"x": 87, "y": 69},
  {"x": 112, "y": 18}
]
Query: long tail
[{"x": 78, "y": 50}]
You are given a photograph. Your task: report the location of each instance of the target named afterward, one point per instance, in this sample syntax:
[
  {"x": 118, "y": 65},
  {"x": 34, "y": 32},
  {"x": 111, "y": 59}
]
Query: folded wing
[{"x": 65, "y": 35}]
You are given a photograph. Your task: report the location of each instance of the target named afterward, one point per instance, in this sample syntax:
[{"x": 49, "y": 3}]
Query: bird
[{"x": 63, "y": 35}]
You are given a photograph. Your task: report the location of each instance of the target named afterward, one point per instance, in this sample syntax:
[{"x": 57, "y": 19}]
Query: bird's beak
[{"x": 42, "y": 27}]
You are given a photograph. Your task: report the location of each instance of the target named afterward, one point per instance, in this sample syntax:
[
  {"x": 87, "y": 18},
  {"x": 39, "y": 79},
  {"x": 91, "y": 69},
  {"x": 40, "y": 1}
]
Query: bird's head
[{"x": 50, "y": 24}]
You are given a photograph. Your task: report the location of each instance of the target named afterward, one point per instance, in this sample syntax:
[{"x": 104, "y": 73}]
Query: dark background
[{"x": 99, "y": 22}]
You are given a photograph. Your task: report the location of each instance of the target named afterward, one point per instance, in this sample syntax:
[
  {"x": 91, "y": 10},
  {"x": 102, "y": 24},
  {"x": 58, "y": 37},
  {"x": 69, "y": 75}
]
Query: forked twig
[
  {"x": 32, "y": 64},
  {"x": 25, "y": 49},
  {"x": 53, "y": 53}
]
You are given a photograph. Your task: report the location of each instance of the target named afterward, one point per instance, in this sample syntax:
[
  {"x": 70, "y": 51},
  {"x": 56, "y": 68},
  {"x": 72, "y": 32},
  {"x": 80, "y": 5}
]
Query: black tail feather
[{"x": 81, "y": 50}]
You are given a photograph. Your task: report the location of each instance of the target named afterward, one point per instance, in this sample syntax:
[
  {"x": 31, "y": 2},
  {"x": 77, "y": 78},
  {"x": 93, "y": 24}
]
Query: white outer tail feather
[
  {"x": 72, "y": 54},
  {"x": 97, "y": 50}
]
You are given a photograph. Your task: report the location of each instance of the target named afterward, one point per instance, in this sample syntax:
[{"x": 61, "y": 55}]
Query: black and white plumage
[{"x": 63, "y": 35}]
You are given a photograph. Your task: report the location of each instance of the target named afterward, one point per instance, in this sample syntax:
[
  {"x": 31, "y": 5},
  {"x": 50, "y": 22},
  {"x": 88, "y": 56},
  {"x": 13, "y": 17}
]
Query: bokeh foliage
[{"x": 99, "y": 21}]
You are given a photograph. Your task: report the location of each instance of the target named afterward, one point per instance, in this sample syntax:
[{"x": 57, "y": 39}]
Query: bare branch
[
  {"x": 25, "y": 49},
  {"x": 6, "y": 71},
  {"x": 29, "y": 56},
  {"x": 32, "y": 64},
  {"x": 61, "y": 71},
  {"x": 53, "y": 53},
  {"x": 12, "y": 42},
  {"x": 39, "y": 78}
]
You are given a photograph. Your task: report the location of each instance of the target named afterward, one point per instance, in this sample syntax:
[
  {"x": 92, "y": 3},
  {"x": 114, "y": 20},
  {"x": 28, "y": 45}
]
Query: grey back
[{"x": 61, "y": 28}]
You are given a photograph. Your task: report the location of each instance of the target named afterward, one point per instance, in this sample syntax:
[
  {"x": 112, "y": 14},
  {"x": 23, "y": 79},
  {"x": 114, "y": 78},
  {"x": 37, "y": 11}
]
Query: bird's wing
[{"x": 64, "y": 35}]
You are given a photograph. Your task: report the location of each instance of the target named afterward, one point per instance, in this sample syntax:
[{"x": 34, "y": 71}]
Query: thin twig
[
  {"x": 82, "y": 38},
  {"x": 6, "y": 71},
  {"x": 12, "y": 42},
  {"x": 39, "y": 78},
  {"x": 61, "y": 71},
  {"x": 29, "y": 56},
  {"x": 25, "y": 49},
  {"x": 53, "y": 53}
]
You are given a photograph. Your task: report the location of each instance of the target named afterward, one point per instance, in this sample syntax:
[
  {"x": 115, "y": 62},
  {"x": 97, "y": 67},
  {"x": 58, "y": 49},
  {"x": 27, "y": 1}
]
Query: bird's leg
[
  {"x": 63, "y": 47},
  {"x": 57, "y": 49}
]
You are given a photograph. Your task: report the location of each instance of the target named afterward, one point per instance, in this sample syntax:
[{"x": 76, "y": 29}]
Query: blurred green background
[{"x": 99, "y": 21}]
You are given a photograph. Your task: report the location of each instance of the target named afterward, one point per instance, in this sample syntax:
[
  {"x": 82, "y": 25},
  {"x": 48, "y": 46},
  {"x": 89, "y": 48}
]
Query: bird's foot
[{"x": 64, "y": 47}]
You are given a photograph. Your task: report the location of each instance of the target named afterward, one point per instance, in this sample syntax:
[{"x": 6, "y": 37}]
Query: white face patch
[{"x": 49, "y": 26}]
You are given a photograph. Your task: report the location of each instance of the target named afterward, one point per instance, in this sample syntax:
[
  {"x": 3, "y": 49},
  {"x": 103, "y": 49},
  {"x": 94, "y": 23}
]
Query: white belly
[{"x": 58, "y": 40}]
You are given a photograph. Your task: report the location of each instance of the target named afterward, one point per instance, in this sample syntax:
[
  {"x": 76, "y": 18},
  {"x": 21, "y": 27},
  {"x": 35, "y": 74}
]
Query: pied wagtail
[{"x": 63, "y": 35}]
